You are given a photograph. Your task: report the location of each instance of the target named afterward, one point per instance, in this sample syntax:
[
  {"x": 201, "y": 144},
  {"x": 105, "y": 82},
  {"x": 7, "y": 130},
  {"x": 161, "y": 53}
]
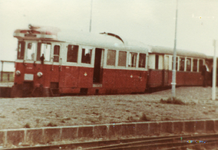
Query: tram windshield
[
  {"x": 33, "y": 51},
  {"x": 46, "y": 50}
]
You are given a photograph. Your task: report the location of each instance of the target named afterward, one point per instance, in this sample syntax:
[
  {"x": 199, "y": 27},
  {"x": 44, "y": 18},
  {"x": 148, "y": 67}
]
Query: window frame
[
  {"x": 194, "y": 65},
  {"x": 110, "y": 50},
  {"x": 25, "y": 50},
  {"x": 144, "y": 60},
  {"x": 119, "y": 58},
  {"x": 130, "y": 61},
  {"x": 53, "y": 53},
  {"x": 22, "y": 47},
  {"x": 78, "y": 51},
  {"x": 91, "y": 56},
  {"x": 180, "y": 63},
  {"x": 187, "y": 69}
]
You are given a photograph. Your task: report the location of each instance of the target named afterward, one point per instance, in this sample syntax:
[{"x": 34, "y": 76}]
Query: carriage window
[
  {"x": 182, "y": 64},
  {"x": 132, "y": 59},
  {"x": 86, "y": 55},
  {"x": 195, "y": 65},
  {"x": 20, "y": 50},
  {"x": 142, "y": 58},
  {"x": 72, "y": 53},
  {"x": 188, "y": 63},
  {"x": 46, "y": 51},
  {"x": 200, "y": 65},
  {"x": 122, "y": 58},
  {"x": 31, "y": 49},
  {"x": 156, "y": 61},
  {"x": 111, "y": 57},
  {"x": 176, "y": 63},
  {"x": 56, "y": 53}
]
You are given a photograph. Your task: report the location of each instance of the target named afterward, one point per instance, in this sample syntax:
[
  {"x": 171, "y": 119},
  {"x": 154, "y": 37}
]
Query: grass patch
[{"x": 172, "y": 101}]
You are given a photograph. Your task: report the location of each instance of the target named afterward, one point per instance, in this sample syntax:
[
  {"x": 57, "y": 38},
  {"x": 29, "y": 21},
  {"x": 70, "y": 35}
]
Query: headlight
[
  {"x": 18, "y": 72},
  {"x": 39, "y": 74}
]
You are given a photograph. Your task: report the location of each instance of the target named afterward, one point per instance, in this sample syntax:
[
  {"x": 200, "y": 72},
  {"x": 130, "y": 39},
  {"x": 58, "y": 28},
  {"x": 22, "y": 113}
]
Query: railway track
[{"x": 164, "y": 142}]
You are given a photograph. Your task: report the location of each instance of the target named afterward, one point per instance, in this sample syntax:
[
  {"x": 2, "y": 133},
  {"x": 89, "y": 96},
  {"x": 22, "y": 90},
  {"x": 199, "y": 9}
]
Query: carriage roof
[
  {"x": 105, "y": 40},
  {"x": 180, "y": 52}
]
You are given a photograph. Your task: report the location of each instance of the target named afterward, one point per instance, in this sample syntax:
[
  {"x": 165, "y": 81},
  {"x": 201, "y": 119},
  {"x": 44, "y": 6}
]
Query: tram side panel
[{"x": 123, "y": 81}]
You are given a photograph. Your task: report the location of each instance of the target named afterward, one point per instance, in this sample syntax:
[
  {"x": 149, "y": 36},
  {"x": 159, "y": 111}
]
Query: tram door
[{"x": 97, "y": 66}]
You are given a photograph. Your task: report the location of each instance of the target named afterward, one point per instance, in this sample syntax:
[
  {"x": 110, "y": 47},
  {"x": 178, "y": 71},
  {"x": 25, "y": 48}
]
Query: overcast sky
[{"x": 148, "y": 21}]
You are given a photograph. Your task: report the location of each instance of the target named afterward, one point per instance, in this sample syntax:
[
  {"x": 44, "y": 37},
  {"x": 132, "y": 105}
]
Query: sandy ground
[{"x": 83, "y": 110}]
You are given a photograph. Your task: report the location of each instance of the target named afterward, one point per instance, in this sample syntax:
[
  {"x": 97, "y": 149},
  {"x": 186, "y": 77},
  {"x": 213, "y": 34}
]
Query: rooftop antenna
[{"x": 90, "y": 24}]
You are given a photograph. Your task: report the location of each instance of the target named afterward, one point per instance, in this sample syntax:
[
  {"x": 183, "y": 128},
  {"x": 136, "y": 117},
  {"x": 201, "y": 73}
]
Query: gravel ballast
[{"x": 102, "y": 109}]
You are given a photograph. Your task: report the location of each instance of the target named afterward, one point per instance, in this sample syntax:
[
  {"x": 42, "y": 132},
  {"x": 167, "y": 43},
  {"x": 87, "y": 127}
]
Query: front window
[
  {"x": 46, "y": 51},
  {"x": 31, "y": 49},
  {"x": 20, "y": 50}
]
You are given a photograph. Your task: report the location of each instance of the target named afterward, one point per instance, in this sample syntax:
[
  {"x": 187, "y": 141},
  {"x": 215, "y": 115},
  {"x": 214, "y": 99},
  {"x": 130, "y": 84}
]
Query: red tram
[
  {"x": 52, "y": 63},
  {"x": 188, "y": 67}
]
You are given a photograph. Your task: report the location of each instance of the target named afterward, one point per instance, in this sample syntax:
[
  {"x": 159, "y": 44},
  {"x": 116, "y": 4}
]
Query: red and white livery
[{"x": 50, "y": 63}]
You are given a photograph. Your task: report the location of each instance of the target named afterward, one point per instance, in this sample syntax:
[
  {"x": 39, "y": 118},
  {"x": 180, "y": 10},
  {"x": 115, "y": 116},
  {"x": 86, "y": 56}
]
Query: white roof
[
  {"x": 179, "y": 52},
  {"x": 102, "y": 41}
]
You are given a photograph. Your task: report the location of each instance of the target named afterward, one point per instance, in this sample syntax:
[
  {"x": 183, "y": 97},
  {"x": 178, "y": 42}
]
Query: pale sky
[{"x": 148, "y": 21}]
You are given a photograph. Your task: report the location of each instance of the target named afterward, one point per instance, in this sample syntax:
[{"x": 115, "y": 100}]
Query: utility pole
[
  {"x": 214, "y": 72},
  {"x": 174, "y": 57},
  {"x": 90, "y": 24}
]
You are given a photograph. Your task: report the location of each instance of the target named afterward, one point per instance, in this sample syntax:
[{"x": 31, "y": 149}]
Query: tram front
[{"x": 35, "y": 55}]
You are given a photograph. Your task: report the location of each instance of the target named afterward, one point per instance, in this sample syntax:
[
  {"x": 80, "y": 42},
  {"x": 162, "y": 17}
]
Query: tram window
[
  {"x": 176, "y": 63},
  {"x": 20, "y": 50},
  {"x": 156, "y": 61},
  {"x": 188, "y": 62},
  {"x": 38, "y": 51},
  {"x": 72, "y": 53},
  {"x": 182, "y": 64},
  {"x": 132, "y": 59},
  {"x": 195, "y": 65},
  {"x": 31, "y": 49},
  {"x": 142, "y": 58},
  {"x": 122, "y": 59},
  {"x": 111, "y": 57},
  {"x": 200, "y": 65},
  {"x": 46, "y": 50},
  {"x": 86, "y": 55},
  {"x": 56, "y": 53}
]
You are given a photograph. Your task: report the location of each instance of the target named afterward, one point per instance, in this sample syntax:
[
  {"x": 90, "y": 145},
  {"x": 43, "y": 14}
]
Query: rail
[{"x": 162, "y": 142}]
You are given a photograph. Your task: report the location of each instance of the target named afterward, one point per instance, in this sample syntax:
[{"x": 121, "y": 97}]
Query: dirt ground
[{"x": 84, "y": 110}]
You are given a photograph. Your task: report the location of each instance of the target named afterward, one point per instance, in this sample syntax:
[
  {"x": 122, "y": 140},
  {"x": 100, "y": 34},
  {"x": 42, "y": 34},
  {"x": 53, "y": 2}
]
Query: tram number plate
[{"x": 28, "y": 77}]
